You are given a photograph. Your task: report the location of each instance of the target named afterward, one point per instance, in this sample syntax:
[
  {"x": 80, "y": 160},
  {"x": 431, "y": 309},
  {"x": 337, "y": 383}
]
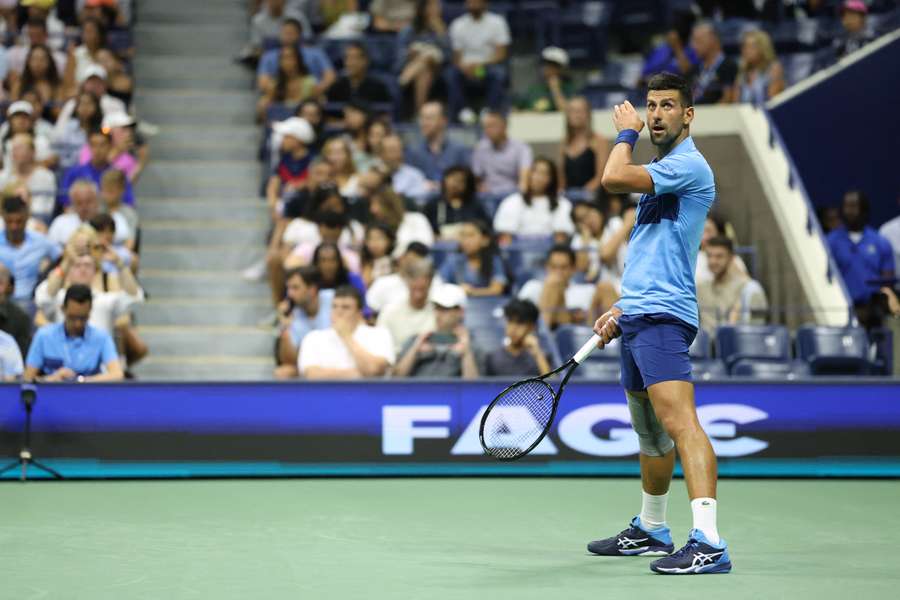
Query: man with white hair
[
  {"x": 84, "y": 207},
  {"x": 24, "y": 170}
]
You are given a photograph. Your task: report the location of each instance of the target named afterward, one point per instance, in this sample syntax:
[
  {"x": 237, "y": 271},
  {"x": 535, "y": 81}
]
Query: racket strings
[{"x": 518, "y": 418}]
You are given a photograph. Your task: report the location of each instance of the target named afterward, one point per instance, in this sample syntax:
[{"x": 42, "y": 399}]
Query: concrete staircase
[{"x": 201, "y": 217}]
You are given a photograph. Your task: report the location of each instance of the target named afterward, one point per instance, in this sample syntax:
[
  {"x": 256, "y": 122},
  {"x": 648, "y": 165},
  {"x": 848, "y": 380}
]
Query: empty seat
[
  {"x": 763, "y": 369},
  {"x": 704, "y": 370},
  {"x": 834, "y": 350},
  {"x": 798, "y": 66},
  {"x": 485, "y": 311},
  {"x": 753, "y": 342},
  {"x": 700, "y": 347}
]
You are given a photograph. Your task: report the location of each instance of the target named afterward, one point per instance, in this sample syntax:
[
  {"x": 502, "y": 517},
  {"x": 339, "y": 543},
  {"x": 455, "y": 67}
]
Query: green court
[{"x": 431, "y": 538}]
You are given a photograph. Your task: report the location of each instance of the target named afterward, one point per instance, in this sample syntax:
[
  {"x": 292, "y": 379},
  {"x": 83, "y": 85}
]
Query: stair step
[
  {"x": 181, "y": 340},
  {"x": 155, "y": 184},
  {"x": 190, "y": 38},
  {"x": 203, "y": 312},
  {"x": 207, "y": 150},
  {"x": 167, "y": 283},
  {"x": 212, "y": 232},
  {"x": 205, "y": 368},
  {"x": 185, "y": 169},
  {"x": 167, "y": 209},
  {"x": 220, "y": 135},
  {"x": 212, "y": 258}
]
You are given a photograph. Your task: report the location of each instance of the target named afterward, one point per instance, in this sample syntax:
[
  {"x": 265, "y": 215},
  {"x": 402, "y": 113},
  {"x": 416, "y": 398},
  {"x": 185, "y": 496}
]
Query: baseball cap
[
  {"x": 449, "y": 295},
  {"x": 117, "y": 119},
  {"x": 94, "y": 71},
  {"x": 556, "y": 55},
  {"x": 20, "y": 106},
  {"x": 855, "y": 6},
  {"x": 296, "y": 127}
]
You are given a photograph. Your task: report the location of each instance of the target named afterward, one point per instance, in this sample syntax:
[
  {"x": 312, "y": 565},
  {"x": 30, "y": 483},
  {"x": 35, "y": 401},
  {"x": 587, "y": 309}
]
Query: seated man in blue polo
[{"x": 73, "y": 350}]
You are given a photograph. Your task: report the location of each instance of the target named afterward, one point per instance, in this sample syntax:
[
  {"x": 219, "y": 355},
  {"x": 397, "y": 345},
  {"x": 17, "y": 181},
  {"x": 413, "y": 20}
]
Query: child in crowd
[{"x": 521, "y": 352}]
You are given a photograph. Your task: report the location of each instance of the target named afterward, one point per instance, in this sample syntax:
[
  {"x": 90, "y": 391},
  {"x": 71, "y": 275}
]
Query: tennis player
[{"x": 657, "y": 318}]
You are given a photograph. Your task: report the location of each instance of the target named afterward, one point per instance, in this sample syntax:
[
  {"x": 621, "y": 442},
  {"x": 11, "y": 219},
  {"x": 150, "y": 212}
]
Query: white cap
[
  {"x": 20, "y": 106},
  {"x": 449, "y": 295},
  {"x": 117, "y": 119},
  {"x": 296, "y": 127},
  {"x": 556, "y": 55},
  {"x": 94, "y": 71}
]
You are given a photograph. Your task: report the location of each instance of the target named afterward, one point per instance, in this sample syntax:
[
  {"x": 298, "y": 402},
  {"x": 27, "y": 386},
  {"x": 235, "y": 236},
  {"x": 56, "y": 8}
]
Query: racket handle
[{"x": 586, "y": 350}]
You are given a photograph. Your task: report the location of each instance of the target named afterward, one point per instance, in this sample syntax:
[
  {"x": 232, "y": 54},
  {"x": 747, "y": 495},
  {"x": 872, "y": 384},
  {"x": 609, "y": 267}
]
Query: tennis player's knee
[{"x": 652, "y": 437}]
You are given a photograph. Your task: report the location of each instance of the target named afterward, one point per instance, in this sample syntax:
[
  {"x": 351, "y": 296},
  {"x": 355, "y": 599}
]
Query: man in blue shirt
[
  {"x": 315, "y": 59},
  {"x": 434, "y": 153},
  {"x": 864, "y": 257},
  {"x": 307, "y": 308},
  {"x": 657, "y": 318},
  {"x": 24, "y": 252},
  {"x": 94, "y": 169},
  {"x": 73, "y": 350}
]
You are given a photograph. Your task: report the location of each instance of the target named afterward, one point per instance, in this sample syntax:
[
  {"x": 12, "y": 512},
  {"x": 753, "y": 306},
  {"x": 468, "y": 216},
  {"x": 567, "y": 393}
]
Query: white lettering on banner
[
  {"x": 399, "y": 429},
  {"x": 711, "y": 414},
  {"x": 575, "y": 430},
  {"x": 515, "y": 421}
]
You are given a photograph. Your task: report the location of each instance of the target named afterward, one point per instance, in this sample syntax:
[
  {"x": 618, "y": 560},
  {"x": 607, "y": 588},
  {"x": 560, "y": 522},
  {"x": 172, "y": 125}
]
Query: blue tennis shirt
[
  {"x": 52, "y": 349},
  {"x": 662, "y": 251}
]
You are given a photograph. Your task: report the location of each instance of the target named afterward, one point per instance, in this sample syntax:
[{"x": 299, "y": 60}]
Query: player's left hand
[{"x": 626, "y": 117}]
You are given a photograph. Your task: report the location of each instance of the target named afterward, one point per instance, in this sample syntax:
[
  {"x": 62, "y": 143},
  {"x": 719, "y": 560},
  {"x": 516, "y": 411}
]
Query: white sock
[
  {"x": 653, "y": 510},
  {"x": 704, "y": 510}
]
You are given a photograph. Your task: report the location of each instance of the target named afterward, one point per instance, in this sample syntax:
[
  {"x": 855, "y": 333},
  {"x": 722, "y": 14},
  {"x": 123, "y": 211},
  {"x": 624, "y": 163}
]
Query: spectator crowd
[{"x": 72, "y": 150}]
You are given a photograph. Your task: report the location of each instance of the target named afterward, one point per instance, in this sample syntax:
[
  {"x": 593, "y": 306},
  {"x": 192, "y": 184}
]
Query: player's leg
[{"x": 647, "y": 532}]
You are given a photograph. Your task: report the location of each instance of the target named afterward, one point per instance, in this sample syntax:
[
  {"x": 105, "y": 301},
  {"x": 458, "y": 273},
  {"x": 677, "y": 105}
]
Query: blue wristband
[{"x": 629, "y": 136}]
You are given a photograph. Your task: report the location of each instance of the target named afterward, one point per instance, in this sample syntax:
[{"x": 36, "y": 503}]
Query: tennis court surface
[{"x": 431, "y": 538}]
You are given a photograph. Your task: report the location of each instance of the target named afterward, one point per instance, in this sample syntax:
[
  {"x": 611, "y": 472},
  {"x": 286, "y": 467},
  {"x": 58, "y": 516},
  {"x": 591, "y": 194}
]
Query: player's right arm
[{"x": 621, "y": 175}]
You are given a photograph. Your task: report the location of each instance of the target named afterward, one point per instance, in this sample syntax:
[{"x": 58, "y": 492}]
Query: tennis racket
[{"x": 518, "y": 419}]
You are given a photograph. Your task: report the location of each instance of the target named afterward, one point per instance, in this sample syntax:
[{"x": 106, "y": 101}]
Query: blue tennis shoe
[
  {"x": 697, "y": 557},
  {"x": 634, "y": 540}
]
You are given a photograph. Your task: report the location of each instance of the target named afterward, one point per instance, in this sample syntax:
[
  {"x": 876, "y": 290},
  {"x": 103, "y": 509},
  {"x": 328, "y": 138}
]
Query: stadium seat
[
  {"x": 797, "y": 66},
  {"x": 704, "y": 370},
  {"x": 752, "y": 342},
  {"x": 834, "y": 350},
  {"x": 600, "y": 98},
  {"x": 485, "y": 311},
  {"x": 569, "y": 338},
  {"x": 700, "y": 348},
  {"x": 580, "y": 29},
  {"x": 770, "y": 370}
]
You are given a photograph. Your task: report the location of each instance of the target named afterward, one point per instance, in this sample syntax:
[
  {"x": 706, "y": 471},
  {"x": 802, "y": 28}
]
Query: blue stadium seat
[
  {"x": 525, "y": 257},
  {"x": 382, "y": 50},
  {"x": 603, "y": 364},
  {"x": 579, "y": 28},
  {"x": 754, "y": 342},
  {"x": 770, "y": 370},
  {"x": 485, "y": 311},
  {"x": 441, "y": 250},
  {"x": 883, "y": 340},
  {"x": 704, "y": 370},
  {"x": 834, "y": 350},
  {"x": 797, "y": 66},
  {"x": 700, "y": 348},
  {"x": 600, "y": 98}
]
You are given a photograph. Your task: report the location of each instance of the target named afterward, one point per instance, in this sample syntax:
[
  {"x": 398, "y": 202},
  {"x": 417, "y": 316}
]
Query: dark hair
[
  {"x": 417, "y": 248},
  {"x": 94, "y": 132},
  {"x": 494, "y": 112},
  {"x": 348, "y": 291},
  {"x": 97, "y": 120},
  {"x": 101, "y": 30},
  {"x": 719, "y": 222},
  {"x": 562, "y": 249},
  {"x": 294, "y": 23},
  {"x": 442, "y": 105},
  {"x": 282, "y": 81},
  {"x": 521, "y": 311},
  {"x": 361, "y": 47},
  {"x": 308, "y": 273},
  {"x": 371, "y": 120},
  {"x": 863, "y": 203},
  {"x": 103, "y": 222},
  {"x": 28, "y": 79},
  {"x": 342, "y": 277},
  {"x": 331, "y": 218},
  {"x": 420, "y": 21},
  {"x": 366, "y": 256},
  {"x": 319, "y": 196},
  {"x": 487, "y": 253},
  {"x": 671, "y": 81},
  {"x": 79, "y": 293},
  {"x": 36, "y": 22},
  {"x": 471, "y": 188},
  {"x": 14, "y": 205},
  {"x": 722, "y": 242},
  {"x": 552, "y": 185}
]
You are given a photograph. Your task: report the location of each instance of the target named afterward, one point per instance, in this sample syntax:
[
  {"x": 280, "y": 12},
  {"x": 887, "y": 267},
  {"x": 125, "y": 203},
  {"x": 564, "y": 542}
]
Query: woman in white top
[
  {"x": 93, "y": 39},
  {"x": 386, "y": 206},
  {"x": 601, "y": 242},
  {"x": 540, "y": 211},
  {"x": 339, "y": 155},
  {"x": 23, "y": 170}
]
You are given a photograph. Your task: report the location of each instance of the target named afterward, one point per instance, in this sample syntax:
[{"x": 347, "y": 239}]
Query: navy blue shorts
[{"x": 654, "y": 349}]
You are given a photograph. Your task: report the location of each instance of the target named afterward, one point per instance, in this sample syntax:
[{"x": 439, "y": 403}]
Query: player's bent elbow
[{"x": 612, "y": 184}]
